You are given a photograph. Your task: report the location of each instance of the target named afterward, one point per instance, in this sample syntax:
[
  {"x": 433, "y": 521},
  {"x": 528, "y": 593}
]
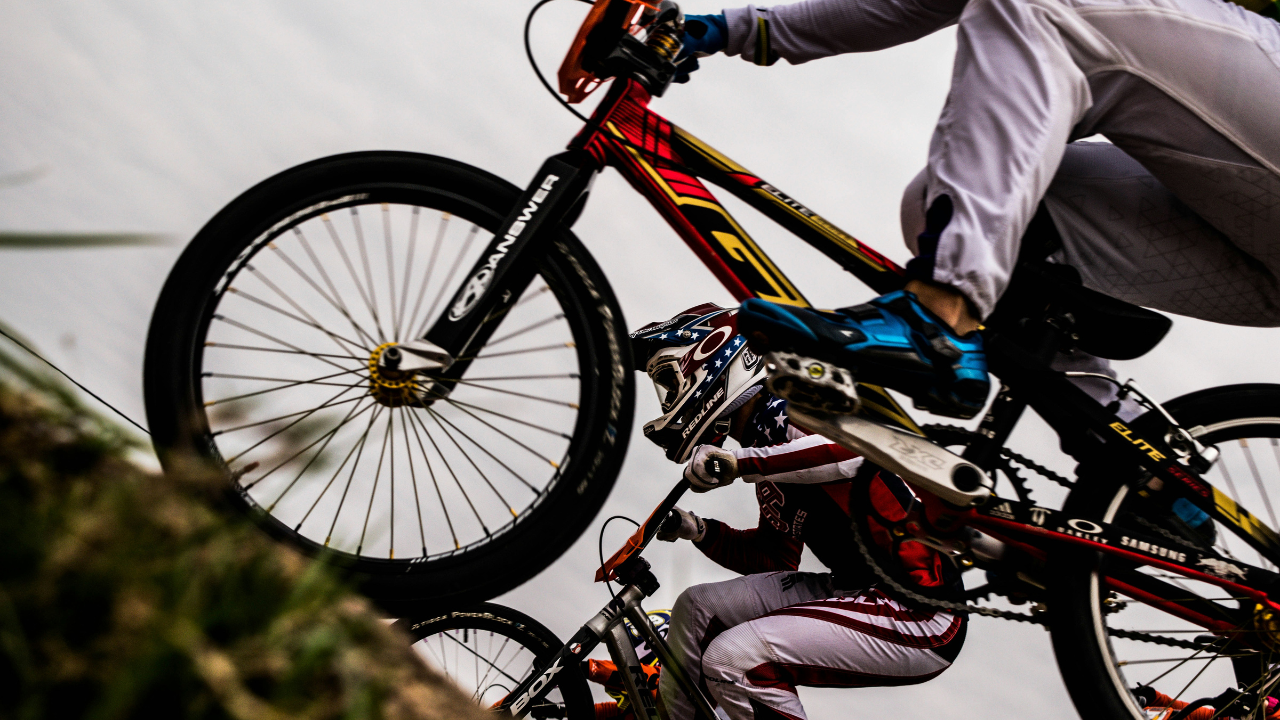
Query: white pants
[
  {"x": 750, "y": 641},
  {"x": 1181, "y": 214}
]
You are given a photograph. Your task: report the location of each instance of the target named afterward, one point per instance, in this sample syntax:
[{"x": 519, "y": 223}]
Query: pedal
[
  {"x": 812, "y": 384},
  {"x": 912, "y": 457}
]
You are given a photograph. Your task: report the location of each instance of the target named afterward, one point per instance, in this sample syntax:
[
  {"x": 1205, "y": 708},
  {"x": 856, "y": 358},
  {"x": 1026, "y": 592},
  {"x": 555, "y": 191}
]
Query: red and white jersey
[{"x": 807, "y": 490}]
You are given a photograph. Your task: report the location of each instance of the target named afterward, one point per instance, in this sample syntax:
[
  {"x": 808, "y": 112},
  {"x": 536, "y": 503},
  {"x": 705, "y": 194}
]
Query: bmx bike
[{"x": 414, "y": 366}]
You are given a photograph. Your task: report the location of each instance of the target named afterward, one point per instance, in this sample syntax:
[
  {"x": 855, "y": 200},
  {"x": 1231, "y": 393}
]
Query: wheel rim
[
  {"x": 325, "y": 443},
  {"x": 1249, "y": 471}
]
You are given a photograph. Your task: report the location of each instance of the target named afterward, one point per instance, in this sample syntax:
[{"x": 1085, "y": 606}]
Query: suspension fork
[{"x": 499, "y": 277}]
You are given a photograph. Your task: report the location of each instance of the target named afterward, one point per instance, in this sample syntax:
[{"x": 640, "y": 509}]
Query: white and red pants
[{"x": 750, "y": 641}]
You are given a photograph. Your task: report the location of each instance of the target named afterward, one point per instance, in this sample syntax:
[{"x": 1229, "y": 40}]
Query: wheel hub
[
  {"x": 389, "y": 386},
  {"x": 1267, "y": 624}
]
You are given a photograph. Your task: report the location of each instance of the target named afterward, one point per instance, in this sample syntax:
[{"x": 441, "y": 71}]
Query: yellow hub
[
  {"x": 392, "y": 388},
  {"x": 1267, "y": 623}
]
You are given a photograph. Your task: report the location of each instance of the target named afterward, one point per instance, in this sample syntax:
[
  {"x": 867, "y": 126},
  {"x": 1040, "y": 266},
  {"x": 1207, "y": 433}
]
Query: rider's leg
[
  {"x": 864, "y": 640},
  {"x": 703, "y": 612},
  {"x": 1190, "y": 88}
]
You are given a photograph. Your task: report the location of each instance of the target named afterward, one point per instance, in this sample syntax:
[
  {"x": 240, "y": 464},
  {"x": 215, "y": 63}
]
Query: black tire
[
  {"x": 473, "y": 647},
  {"x": 1100, "y": 667},
  {"x": 551, "y": 451}
]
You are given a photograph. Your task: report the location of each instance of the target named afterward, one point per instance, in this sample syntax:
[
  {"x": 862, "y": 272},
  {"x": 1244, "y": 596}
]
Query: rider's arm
[
  {"x": 807, "y": 459},
  {"x": 757, "y": 550},
  {"x": 813, "y": 29}
]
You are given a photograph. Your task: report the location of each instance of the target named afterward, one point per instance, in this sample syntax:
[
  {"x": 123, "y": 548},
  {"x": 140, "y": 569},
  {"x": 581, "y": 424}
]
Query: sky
[{"x": 149, "y": 117}]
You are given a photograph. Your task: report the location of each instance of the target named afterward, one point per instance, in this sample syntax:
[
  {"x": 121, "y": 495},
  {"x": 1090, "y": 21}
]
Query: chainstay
[{"x": 936, "y": 604}]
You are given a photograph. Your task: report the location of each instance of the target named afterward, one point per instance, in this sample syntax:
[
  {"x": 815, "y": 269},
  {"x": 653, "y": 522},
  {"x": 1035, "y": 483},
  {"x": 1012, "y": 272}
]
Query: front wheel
[
  {"x": 488, "y": 650},
  {"x": 262, "y": 361},
  {"x": 1116, "y": 653}
]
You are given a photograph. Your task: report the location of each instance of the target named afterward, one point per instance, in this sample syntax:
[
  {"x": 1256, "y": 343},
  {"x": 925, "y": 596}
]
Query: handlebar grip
[
  {"x": 670, "y": 523},
  {"x": 718, "y": 469}
]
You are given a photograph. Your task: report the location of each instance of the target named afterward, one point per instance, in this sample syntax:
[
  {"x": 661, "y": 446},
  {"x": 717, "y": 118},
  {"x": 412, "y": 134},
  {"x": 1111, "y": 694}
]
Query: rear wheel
[
  {"x": 489, "y": 649},
  {"x": 1110, "y": 646},
  {"x": 262, "y": 361}
]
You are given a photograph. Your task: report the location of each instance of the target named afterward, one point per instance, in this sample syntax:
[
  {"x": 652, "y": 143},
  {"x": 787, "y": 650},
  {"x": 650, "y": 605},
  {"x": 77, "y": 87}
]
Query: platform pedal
[{"x": 812, "y": 384}]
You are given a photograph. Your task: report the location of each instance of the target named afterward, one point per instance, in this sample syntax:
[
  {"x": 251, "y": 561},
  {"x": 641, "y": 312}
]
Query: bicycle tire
[
  {"x": 593, "y": 387},
  {"x": 1095, "y": 659},
  {"x": 493, "y": 619}
]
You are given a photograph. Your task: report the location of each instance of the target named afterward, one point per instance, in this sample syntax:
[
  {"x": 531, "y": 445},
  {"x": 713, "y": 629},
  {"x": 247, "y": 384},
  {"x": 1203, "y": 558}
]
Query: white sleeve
[
  {"x": 809, "y": 459},
  {"x": 809, "y": 30}
]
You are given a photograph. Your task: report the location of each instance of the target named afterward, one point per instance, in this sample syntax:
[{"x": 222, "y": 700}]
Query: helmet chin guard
[{"x": 702, "y": 369}]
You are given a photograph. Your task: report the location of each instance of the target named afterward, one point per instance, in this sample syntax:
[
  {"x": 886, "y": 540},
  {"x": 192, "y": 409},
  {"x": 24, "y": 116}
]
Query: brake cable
[{"x": 528, "y": 51}]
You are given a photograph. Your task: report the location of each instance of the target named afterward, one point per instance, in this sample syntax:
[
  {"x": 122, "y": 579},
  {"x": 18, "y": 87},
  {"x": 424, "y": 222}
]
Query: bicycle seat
[
  {"x": 1111, "y": 328},
  {"x": 1104, "y": 326}
]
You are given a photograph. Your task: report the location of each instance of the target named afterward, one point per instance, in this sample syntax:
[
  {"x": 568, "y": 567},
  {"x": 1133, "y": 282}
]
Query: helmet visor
[{"x": 668, "y": 381}]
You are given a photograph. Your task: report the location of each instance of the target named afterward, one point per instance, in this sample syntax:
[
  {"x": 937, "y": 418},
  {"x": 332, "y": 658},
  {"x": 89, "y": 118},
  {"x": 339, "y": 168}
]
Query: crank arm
[{"x": 914, "y": 458}]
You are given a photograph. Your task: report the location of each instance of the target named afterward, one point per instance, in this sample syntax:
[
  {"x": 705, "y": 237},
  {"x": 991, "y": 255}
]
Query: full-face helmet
[{"x": 702, "y": 370}]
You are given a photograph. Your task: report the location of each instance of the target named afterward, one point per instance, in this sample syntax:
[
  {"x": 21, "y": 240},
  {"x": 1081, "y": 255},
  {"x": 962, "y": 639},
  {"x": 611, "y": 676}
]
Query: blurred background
[{"x": 145, "y": 117}]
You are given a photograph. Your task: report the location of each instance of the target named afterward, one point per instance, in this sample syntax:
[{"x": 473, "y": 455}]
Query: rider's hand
[
  {"x": 703, "y": 35},
  {"x": 689, "y": 527},
  {"x": 710, "y": 468}
]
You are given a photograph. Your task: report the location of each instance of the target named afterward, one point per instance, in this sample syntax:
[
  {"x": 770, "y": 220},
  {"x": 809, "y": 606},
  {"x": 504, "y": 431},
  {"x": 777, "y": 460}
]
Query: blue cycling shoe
[{"x": 891, "y": 341}]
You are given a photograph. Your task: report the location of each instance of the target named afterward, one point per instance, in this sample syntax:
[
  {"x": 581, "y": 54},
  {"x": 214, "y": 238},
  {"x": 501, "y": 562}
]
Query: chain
[
  {"x": 1033, "y": 466},
  {"x": 1034, "y": 619}
]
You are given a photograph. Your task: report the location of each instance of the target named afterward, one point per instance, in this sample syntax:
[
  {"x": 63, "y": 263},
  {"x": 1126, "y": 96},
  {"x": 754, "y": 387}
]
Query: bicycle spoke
[
  {"x": 287, "y": 384},
  {"x": 444, "y": 287},
  {"x": 368, "y": 272},
  {"x": 528, "y": 328},
  {"x": 518, "y": 394},
  {"x": 413, "y": 478},
  {"x": 408, "y": 267},
  {"x": 328, "y": 403},
  {"x": 338, "y": 339},
  {"x": 351, "y": 478},
  {"x": 327, "y": 437},
  {"x": 274, "y": 379},
  {"x": 452, "y": 474},
  {"x": 336, "y": 473},
  {"x": 473, "y": 652},
  {"x": 431, "y": 471},
  {"x": 391, "y": 277},
  {"x": 302, "y": 311},
  {"x": 377, "y": 475},
  {"x": 484, "y": 450},
  {"x": 278, "y": 341},
  {"x": 337, "y": 301},
  {"x": 229, "y": 346},
  {"x": 535, "y": 453},
  {"x": 436, "y": 416},
  {"x": 531, "y": 296},
  {"x": 431, "y": 265},
  {"x": 278, "y": 418},
  {"x": 1257, "y": 479},
  {"x": 351, "y": 270},
  {"x": 544, "y": 348},
  {"x": 556, "y": 376},
  {"x": 526, "y": 423}
]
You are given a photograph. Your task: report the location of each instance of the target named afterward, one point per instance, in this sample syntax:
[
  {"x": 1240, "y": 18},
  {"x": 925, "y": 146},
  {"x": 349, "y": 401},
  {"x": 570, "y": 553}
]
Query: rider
[
  {"x": 750, "y": 641},
  {"x": 1177, "y": 214}
]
